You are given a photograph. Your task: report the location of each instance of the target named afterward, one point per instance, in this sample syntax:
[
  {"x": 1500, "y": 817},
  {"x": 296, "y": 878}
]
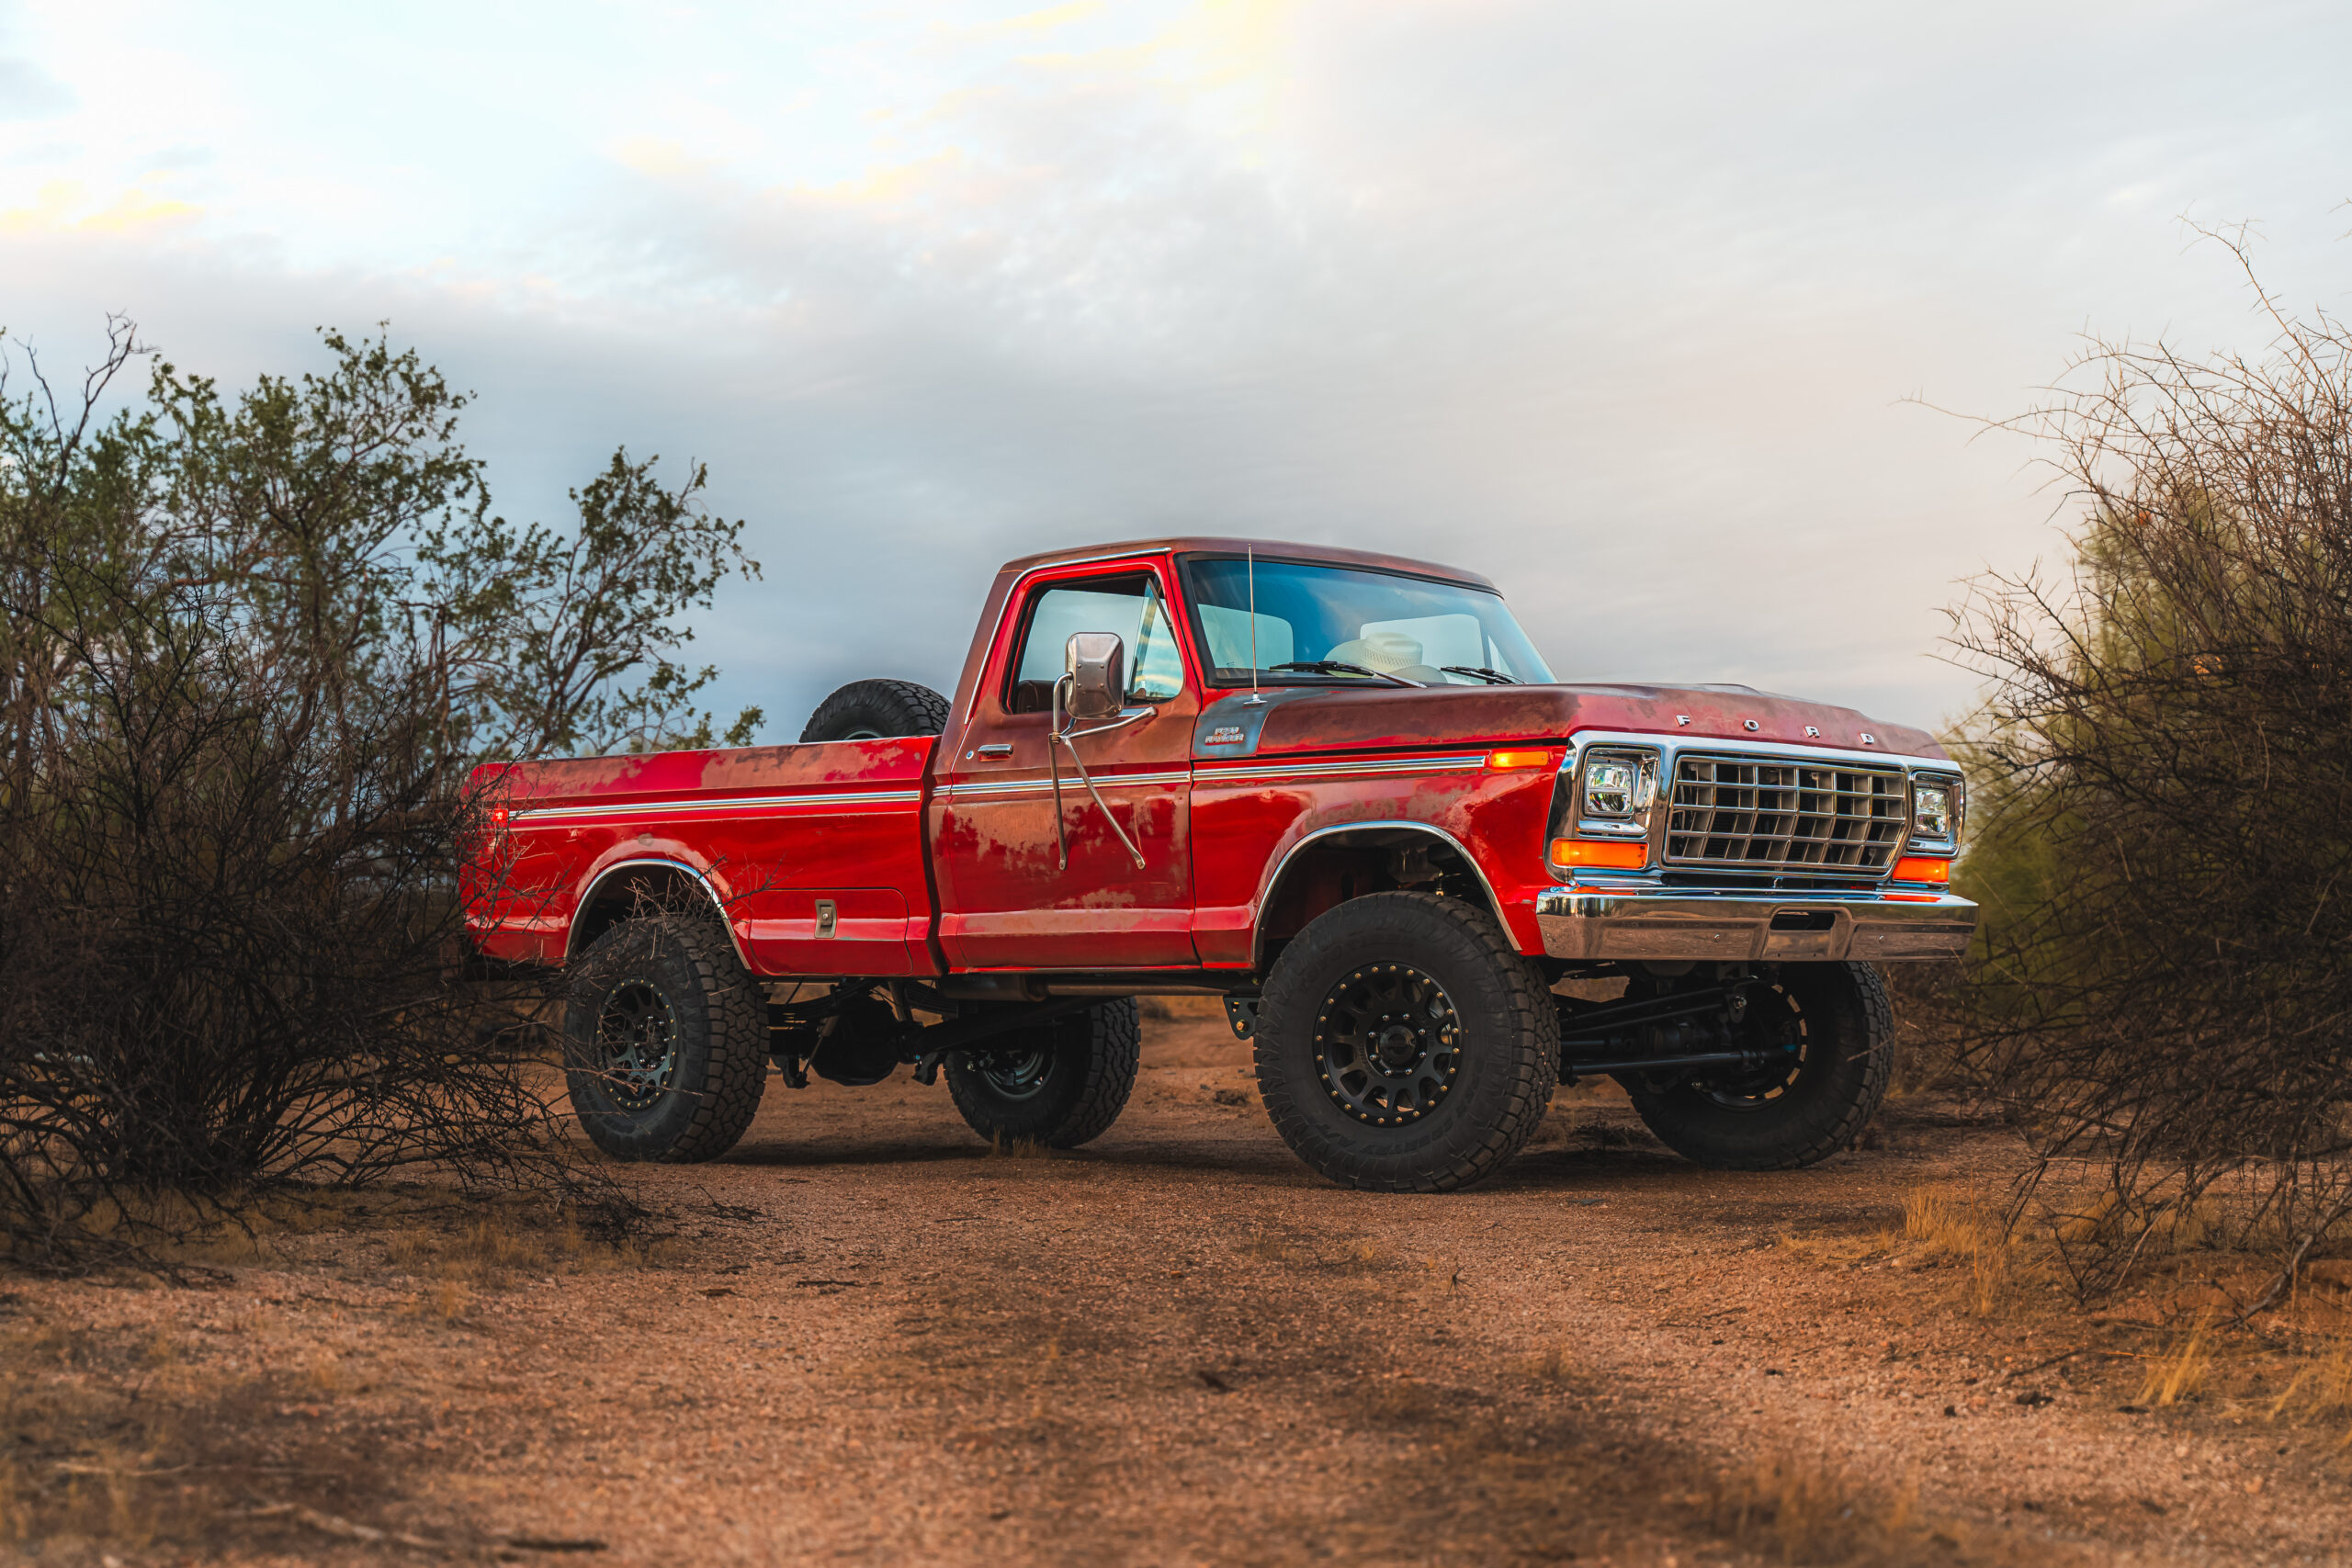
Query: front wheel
[
  {"x": 1404, "y": 1046},
  {"x": 1062, "y": 1084},
  {"x": 1778, "y": 1118}
]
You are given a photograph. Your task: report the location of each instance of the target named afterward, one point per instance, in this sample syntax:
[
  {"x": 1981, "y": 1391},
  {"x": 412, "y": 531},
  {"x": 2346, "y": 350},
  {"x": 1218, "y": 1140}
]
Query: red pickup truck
[{"x": 1339, "y": 790}]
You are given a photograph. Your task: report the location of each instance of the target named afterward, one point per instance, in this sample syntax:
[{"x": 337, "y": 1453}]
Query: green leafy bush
[
  {"x": 2163, "y": 771},
  {"x": 249, "y": 647}
]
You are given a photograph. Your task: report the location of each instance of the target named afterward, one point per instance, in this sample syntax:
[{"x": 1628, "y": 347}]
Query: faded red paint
[
  {"x": 1392, "y": 717},
  {"x": 937, "y": 859},
  {"x": 769, "y": 829},
  {"x": 1005, "y": 902}
]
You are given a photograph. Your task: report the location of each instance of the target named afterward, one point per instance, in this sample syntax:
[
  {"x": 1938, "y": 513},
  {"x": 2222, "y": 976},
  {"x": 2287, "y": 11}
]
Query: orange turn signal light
[
  {"x": 1922, "y": 868},
  {"x": 1603, "y": 854},
  {"x": 1500, "y": 761}
]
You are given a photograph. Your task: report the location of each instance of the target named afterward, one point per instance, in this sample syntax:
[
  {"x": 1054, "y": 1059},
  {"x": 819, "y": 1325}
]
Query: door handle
[{"x": 995, "y": 748}]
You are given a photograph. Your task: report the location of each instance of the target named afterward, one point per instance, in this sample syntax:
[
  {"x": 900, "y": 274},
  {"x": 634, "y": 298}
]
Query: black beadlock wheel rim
[
  {"x": 1388, "y": 1045},
  {"x": 637, "y": 1034},
  {"x": 1759, "y": 1087},
  {"x": 1015, "y": 1074}
]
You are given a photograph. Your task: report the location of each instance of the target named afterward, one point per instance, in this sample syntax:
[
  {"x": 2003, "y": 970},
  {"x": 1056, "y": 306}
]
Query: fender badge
[{"x": 1225, "y": 735}]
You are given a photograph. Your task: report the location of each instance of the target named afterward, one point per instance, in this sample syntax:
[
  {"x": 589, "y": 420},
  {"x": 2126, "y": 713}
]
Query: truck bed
[{"x": 770, "y": 830}]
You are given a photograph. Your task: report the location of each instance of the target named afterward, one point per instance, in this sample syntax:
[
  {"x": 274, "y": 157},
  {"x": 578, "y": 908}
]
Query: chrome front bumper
[{"x": 1600, "y": 922}]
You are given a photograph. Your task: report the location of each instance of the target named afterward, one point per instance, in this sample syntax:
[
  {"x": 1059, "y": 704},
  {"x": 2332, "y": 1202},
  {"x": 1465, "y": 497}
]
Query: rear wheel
[
  {"x": 665, "y": 1041},
  {"x": 871, "y": 710},
  {"x": 1062, "y": 1084},
  {"x": 1404, "y": 1046},
  {"x": 1791, "y": 1115}
]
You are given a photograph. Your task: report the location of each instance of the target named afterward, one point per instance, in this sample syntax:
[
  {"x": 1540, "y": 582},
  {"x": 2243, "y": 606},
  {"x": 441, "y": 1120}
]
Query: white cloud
[
  {"x": 1616, "y": 305},
  {"x": 26, "y": 92}
]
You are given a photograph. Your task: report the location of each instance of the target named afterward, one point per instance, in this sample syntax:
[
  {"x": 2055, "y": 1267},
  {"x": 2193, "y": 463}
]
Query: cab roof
[{"x": 1270, "y": 550}]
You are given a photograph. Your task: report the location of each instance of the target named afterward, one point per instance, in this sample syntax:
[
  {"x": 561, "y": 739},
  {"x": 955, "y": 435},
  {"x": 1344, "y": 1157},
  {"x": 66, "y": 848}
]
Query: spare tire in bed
[{"x": 869, "y": 710}]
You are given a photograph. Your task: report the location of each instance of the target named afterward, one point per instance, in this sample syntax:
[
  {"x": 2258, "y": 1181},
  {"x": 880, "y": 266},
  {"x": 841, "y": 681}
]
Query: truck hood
[{"x": 1294, "y": 719}]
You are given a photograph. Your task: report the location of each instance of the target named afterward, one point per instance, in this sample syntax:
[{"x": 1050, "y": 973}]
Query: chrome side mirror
[{"x": 1096, "y": 663}]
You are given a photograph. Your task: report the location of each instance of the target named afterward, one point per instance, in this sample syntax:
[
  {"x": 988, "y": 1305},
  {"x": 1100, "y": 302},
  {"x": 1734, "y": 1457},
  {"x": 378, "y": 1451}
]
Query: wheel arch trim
[
  {"x": 1281, "y": 868},
  {"x": 640, "y": 863}
]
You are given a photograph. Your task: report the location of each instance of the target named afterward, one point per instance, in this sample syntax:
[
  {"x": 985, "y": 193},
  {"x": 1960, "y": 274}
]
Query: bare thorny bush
[
  {"x": 2164, "y": 810},
  {"x": 249, "y": 651}
]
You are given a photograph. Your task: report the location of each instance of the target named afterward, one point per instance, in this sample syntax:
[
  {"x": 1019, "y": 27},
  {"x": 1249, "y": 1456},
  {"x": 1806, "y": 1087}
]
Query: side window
[{"x": 1131, "y": 606}]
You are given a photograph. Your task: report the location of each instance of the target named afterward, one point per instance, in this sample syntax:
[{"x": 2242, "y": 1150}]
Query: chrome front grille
[{"x": 1784, "y": 814}]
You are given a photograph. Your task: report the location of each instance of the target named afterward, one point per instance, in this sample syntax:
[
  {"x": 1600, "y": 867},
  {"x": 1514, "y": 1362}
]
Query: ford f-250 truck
[{"x": 1339, "y": 790}]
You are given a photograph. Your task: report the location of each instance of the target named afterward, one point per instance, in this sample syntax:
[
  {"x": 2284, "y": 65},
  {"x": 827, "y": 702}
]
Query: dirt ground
[{"x": 873, "y": 1339}]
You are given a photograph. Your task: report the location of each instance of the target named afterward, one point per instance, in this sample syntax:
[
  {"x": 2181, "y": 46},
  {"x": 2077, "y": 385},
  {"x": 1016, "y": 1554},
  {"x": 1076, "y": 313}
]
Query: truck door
[{"x": 1006, "y": 897}]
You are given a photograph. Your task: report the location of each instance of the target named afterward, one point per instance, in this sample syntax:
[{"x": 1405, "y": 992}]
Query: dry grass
[
  {"x": 2320, "y": 1394},
  {"x": 490, "y": 1251},
  {"x": 2181, "y": 1369},
  {"x": 1280, "y": 1250},
  {"x": 1941, "y": 1225},
  {"x": 2151, "y": 1230},
  {"x": 1556, "y": 1366},
  {"x": 1002, "y": 1147},
  {"x": 116, "y": 1445},
  {"x": 512, "y": 1241},
  {"x": 1798, "y": 1507},
  {"x": 1802, "y": 1510},
  {"x": 1328, "y": 1257},
  {"x": 240, "y": 1228},
  {"x": 138, "y": 1440},
  {"x": 100, "y": 1428},
  {"x": 447, "y": 1302}
]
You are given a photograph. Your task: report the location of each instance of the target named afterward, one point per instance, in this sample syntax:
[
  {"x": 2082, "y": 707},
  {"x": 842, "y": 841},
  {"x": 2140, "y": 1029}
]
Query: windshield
[{"x": 1308, "y": 614}]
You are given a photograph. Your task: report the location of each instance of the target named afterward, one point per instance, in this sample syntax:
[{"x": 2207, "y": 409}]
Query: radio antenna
[{"x": 1250, "y": 556}]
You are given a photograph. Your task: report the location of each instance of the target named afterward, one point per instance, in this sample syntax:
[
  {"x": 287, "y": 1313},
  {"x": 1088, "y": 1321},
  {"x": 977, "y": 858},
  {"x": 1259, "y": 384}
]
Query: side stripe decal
[
  {"x": 1044, "y": 785},
  {"x": 1209, "y": 773},
  {"x": 737, "y": 803},
  {"x": 1369, "y": 767}
]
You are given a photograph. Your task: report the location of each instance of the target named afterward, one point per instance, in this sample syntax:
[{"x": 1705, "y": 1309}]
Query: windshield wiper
[
  {"x": 1338, "y": 666},
  {"x": 1492, "y": 677}
]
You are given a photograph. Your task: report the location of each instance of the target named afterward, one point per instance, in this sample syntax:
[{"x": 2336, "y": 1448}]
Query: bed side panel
[{"x": 771, "y": 829}]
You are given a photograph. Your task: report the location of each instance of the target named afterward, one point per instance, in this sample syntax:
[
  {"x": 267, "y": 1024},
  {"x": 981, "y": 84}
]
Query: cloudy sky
[{"x": 1632, "y": 308}]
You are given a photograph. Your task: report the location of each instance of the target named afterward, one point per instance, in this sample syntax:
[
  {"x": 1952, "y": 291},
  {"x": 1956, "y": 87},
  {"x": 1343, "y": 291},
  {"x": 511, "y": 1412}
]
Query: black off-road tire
[
  {"x": 870, "y": 710},
  {"x": 1491, "y": 1044},
  {"x": 1060, "y": 1085},
  {"x": 665, "y": 1041},
  {"x": 1848, "y": 1024}
]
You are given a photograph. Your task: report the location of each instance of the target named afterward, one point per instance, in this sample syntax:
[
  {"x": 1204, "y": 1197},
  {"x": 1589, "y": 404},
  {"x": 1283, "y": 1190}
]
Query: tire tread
[
  {"x": 738, "y": 1043},
  {"x": 1110, "y": 1074},
  {"x": 1876, "y": 1007},
  {"x": 913, "y": 708},
  {"x": 1534, "y": 1075},
  {"x": 1113, "y": 1050},
  {"x": 736, "y": 1052}
]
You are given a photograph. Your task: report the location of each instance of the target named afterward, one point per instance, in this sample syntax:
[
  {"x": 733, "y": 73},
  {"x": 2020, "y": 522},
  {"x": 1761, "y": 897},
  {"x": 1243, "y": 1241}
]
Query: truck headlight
[
  {"x": 1934, "y": 809},
  {"x": 1610, "y": 785}
]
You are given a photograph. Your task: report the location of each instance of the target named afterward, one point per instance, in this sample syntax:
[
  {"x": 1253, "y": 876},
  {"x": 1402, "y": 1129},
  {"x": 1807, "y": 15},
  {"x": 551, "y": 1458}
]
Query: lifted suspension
[
  {"x": 1681, "y": 1031},
  {"x": 874, "y": 1037}
]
